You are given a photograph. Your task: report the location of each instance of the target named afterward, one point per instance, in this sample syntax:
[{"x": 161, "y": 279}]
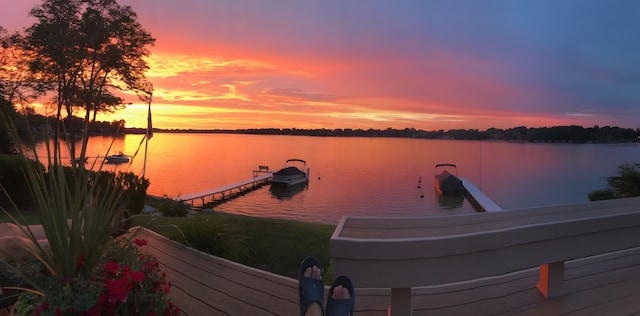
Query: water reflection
[
  {"x": 449, "y": 201},
  {"x": 366, "y": 176},
  {"x": 286, "y": 193}
]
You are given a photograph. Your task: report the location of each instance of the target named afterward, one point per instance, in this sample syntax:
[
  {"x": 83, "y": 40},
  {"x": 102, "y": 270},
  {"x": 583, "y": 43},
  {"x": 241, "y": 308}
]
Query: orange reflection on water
[{"x": 368, "y": 176}]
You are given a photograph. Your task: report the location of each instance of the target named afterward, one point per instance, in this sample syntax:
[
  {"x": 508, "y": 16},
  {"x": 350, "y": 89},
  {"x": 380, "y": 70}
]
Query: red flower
[
  {"x": 140, "y": 242},
  {"x": 151, "y": 263},
  {"x": 126, "y": 271},
  {"x": 112, "y": 267},
  {"x": 118, "y": 290},
  {"x": 137, "y": 277}
]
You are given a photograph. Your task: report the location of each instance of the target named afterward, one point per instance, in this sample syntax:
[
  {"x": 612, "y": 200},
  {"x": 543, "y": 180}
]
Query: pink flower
[{"x": 140, "y": 242}]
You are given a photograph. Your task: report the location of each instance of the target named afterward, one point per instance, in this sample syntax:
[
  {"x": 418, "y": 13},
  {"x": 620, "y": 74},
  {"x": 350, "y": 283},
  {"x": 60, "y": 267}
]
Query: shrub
[
  {"x": 171, "y": 208},
  {"x": 598, "y": 195},
  {"x": 627, "y": 181},
  {"x": 12, "y": 179},
  {"x": 134, "y": 188},
  {"x": 210, "y": 236}
]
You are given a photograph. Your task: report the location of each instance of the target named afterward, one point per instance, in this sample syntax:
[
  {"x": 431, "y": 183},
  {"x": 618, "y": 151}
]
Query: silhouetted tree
[
  {"x": 17, "y": 83},
  {"x": 84, "y": 48}
]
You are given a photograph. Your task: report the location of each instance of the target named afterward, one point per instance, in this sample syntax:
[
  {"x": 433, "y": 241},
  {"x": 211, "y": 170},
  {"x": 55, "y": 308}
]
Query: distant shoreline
[{"x": 556, "y": 134}]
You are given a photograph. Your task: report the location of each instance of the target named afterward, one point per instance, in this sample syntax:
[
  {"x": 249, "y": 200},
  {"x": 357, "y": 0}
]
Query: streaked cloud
[{"x": 379, "y": 63}]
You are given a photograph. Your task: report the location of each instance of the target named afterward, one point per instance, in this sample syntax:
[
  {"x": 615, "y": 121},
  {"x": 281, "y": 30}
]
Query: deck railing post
[
  {"x": 400, "y": 302},
  {"x": 551, "y": 283}
]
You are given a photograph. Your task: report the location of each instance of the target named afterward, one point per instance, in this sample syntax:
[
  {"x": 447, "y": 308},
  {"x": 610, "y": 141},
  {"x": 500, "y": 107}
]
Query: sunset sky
[{"x": 385, "y": 63}]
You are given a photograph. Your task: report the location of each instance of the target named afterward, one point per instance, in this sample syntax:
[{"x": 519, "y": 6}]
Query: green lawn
[
  {"x": 269, "y": 244},
  {"x": 273, "y": 245}
]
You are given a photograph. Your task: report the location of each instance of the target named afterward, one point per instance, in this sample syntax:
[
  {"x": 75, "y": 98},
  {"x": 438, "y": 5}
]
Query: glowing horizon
[{"x": 429, "y": 66}]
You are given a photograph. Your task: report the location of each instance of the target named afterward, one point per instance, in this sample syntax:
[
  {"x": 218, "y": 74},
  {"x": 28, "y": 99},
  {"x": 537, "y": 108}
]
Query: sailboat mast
[{"x": 148, "y": 135}]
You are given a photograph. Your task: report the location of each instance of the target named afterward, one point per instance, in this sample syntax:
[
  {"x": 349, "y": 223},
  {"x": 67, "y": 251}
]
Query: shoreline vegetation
[
  {"x": 40, "y": 126},
  {"x": 556, "y": 134}
]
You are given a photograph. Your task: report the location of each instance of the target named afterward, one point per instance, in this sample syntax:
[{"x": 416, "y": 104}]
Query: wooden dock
[
  {"x": 477, "y": 197},
  {"x": 225, "y": 192}
]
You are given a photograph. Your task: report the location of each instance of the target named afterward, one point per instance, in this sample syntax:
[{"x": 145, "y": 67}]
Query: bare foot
[{"x": 341, "y": 300}]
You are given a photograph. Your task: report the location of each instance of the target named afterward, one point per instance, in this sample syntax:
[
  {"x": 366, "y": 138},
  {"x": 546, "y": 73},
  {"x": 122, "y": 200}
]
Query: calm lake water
[{"x": 370, "y": 176}]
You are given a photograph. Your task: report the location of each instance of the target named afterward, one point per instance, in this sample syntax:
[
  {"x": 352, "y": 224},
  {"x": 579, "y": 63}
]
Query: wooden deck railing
[{"x": 401, "y": 253}]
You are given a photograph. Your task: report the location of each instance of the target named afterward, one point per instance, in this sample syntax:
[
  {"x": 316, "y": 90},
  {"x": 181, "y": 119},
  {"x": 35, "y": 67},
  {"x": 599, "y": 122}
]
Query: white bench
[{"x": 401, "y": 253}]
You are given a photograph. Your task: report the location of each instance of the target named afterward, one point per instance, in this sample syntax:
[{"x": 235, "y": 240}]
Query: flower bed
[{"x": 125, "y": 282}]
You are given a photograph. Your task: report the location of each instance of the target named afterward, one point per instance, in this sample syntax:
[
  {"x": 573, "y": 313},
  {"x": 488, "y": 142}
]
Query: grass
[{"x": 273, "y": 245}]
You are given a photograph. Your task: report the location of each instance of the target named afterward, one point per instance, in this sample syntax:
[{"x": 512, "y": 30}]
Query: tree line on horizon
[{"x": 572, "y": 134}]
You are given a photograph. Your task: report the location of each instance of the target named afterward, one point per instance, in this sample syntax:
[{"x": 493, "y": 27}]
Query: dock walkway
[
  {"x": 478, "y": 197},
  {"x": 225, "y": 191},
  {"x": 207, "y": 285}
]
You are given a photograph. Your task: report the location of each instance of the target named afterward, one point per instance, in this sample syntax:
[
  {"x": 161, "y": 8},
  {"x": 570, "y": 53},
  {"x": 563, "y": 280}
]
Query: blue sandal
[
  {"x": 310, "y": 290},
  {"x": 341, "y": 307}
]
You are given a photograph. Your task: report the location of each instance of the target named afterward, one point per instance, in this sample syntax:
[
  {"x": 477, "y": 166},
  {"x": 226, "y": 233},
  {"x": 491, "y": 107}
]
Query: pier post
[
  {"x": 400, "y": 302},
  {"x": 551, "y": 283}
]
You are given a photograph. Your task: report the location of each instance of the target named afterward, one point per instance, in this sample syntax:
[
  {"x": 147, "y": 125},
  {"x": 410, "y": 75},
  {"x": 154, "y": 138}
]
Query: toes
[
  {"x": 337, "y": 292},
  {"x": 317, "y": 273},
  {"x": 313, "y": 272},
  {"x": 307, "y": 272},
  {"x": 345, "y": 293},
  {"x": 340, "y": 293}
]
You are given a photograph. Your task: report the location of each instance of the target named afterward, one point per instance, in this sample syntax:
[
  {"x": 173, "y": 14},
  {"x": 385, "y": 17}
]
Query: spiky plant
[{"x": 78, "y": 210}]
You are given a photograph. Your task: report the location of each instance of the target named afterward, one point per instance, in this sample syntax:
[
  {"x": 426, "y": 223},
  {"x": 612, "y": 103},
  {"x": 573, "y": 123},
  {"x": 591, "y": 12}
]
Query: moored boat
[
  {"x": 115, "y": 159},
  {"x": 447, "y": 183},
  {"x": 291, "y": 174}
]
